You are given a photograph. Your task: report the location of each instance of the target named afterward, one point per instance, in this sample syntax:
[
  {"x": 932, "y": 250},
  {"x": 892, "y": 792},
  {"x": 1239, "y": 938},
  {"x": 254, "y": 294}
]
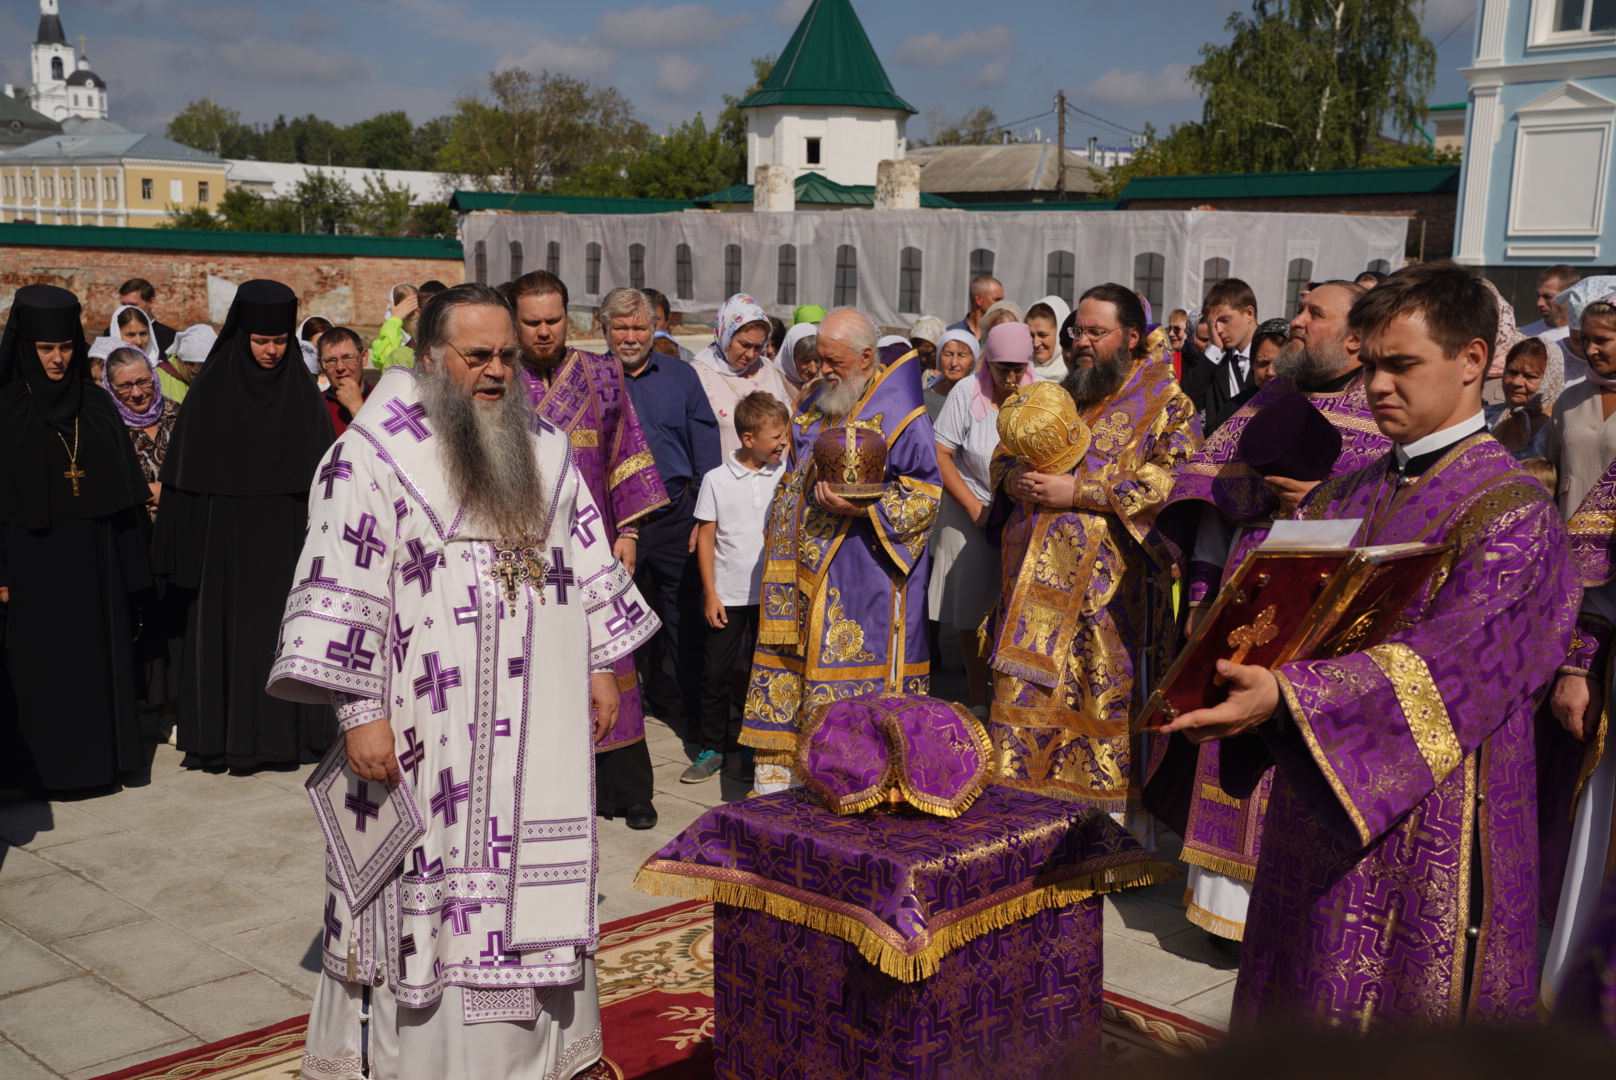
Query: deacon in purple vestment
[
  {"x": 458, "y": 604},
  {"x": 1220, "y": 510},
  {"x": 582, "y": 394},
  {"x": 1084, "y": 623},
  {"x": 1398, "y": 877},
  {"x": 844, "y": 585}
]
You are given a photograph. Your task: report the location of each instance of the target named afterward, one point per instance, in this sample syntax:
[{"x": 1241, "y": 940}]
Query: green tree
[
  {"x": 195, "y": 217},
  {"x": 686, "y": 163},
  {"x": 381, "y": 209},
  {"x": 385, "y": 141},
  {"x": 533, "y": 132},
  {"x": 977, "y": 127},
  {"x": 308, "y": 140},
  {"x": 430, "y": 139},
  {"x": 732, "y": 122},
  {"x": 325, "y": 204},
  {"x": 210, "y": 127},
  {"x": 434, "y": 219},
  {"x": 1311, "y": 84}
]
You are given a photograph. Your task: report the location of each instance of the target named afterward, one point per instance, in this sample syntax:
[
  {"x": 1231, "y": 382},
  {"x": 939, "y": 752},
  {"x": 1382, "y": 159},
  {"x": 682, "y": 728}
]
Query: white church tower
[
  {"x": 64, "y": 86},
  {"x": 828, "y": 108}
]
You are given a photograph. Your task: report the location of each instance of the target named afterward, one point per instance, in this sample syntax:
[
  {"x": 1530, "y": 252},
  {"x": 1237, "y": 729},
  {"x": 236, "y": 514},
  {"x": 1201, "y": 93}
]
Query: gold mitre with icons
[{"x": 1040, "y": 426}]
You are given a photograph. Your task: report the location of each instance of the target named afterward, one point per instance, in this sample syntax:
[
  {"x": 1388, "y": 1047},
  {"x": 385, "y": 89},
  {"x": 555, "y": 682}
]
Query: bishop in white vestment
[{"x": 460, "y": 630}]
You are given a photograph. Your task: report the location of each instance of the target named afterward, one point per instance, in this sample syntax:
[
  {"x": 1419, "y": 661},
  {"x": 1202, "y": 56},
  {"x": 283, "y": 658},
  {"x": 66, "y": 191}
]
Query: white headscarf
[
  {"x": 194, "y": 343},
  {"x": 891, "y": 339},
  {"x": 1056, "y": 304},
  {"x": 102, "y": 347},
  {"x": 311, "y": 351},
  {"x": 738, "y": 311},
  {"x": 152, "y": 355},
  {"x": 390, "y": 293},
  {"x": 1054, "y": 370},
  {"x": 786, "y": 359},
  {"x": 1582, "y": 294}
]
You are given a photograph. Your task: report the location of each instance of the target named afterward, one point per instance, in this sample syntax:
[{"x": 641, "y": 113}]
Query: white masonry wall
[{"x": 852, "y": 142}]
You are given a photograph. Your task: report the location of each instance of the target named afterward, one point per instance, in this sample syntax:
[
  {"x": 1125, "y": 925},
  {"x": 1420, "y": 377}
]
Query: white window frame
[
  {"x": 1567, "y": 107},
  {"x": 1542, "y": 35}
]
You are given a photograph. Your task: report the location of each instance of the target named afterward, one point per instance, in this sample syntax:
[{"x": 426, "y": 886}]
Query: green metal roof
[
  {"x": 103, "y": 236},
  {"x": 1047, "y": 204},
  {"x": 816, "y": 190},
  {"x": 829, "y": 61},
  {"x": 467, "y": 201},
  {"x": 1447, "y": 108},
  {"x": 1418, "y": 179}
]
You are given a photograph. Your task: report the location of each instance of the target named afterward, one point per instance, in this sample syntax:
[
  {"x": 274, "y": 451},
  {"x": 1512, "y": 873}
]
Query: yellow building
[{"x": 120, "y": 178}]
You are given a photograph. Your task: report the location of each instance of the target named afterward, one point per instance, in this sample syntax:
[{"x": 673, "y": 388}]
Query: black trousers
[
  {"x": 670, "y": 580},
  {"x": 719, "y": 732},
  {"x": 623, "y": 778}
]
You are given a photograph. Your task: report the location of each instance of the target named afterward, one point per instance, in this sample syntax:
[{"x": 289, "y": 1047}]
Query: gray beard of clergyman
[
  {"x": 486, "y": 448},
  {"x": 1088, "y": 385},
  {"x": 838, "y": 399},
  {"x": 1310, "y": 368}
]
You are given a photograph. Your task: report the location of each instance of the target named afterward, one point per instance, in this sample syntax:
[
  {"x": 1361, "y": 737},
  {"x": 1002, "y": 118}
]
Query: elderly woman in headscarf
[
  {"x": 734, "y": 365},
  {"x": 924, "y": 336},
  {"x": 1581, "y": 441},
  {"x": 1521, "y": 421},
  {"x": 186, "y": 355},
  {"x": 1044, "y": 320},
  {"x": 798, "y": 361},
  {"x": 957, "y": 353},
  {"x": 964, "y": 570}
]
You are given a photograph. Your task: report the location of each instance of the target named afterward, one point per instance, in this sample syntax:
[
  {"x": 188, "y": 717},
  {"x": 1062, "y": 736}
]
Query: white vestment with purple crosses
[{"x": 397, "y": 613}]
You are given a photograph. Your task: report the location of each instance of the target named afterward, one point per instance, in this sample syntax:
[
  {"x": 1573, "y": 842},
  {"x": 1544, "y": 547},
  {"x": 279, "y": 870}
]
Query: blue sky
[{"x": 1123, "y": 60}]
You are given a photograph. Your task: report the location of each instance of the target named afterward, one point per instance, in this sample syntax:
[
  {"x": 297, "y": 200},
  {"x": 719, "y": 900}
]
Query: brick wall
[
  {"x": 1435, "y": 211},
  {"x": 348, "y": 290}
]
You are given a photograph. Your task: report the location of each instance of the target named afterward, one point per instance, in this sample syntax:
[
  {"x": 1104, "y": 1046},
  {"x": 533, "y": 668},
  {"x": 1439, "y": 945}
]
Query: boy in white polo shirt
[{"x": 731, "y": 509}]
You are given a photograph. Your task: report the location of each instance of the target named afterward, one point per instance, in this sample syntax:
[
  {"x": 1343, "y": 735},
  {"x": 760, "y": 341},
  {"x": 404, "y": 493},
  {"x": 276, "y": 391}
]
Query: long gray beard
[
  {"x": 1100, "y": 382},
  {"x": 840, "y": 398},
  {"x": 487, "y": 451},
  {"x": 1309, "y": 369}
]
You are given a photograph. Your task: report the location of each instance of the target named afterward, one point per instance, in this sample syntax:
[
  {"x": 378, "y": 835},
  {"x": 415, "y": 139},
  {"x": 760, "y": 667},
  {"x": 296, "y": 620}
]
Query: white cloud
[
  {"x": 1140, "y": 89},
  {"x": 675, "y": 74},
  {"x": 582, "y": 58},
  {"x": 285, "y": 62},
  {"x": 934, "y": 50},
  {"x": 678, "y": 27},
  {"x": 790, "y": 12}
]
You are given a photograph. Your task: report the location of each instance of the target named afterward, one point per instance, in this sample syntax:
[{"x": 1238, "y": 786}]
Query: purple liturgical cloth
[
  {"x": 586, "y": 399},
  {"x": 1398, "y": 877},
  {"x": 842, "y": 595},
  {"x": 1221, "y": 833},
  {"x": 1588, "y": 996},
  {"x": 853, "y": 752}
]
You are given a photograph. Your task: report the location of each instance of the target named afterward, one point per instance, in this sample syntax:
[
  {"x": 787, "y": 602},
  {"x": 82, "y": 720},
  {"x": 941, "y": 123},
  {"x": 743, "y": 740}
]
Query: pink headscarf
[
  {"x": 1507, "y": 334},
  {"x": 1007, "y": 343}
]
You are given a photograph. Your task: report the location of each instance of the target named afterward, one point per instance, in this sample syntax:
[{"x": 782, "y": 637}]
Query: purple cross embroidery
[
  {"x": 560, "y": 574},
  {"x": 498, "y": 844},
  {"x": 495, "y": 955},
  {"x": 365, "y": 541},
  {"x": 400, "y": 508},
  {"x": 627, "y": 617},
  {"x": 459, "y": 912},
  {"x": 501, "y": 728},
  {"x": 420, "y": 565},
  {"x": 317, "y": 573},
  {"x": 517, "y": 665},
  {"x": 361, "y": 806},
  {"x": 402, "y": 417},
  {"x": 334, "y": 470},
  {"x": 436, "y": 682},
  {"x": 401, "y": 641},
  {"x": 351, "y": 654},
  {"x": 414, "y": 753},
  {"x": 422, "y": 868},
  {"x": 406, "y": 949},
  {"x": 333, "y": 925},
  {"x": 582, "y": 528},
  {"x": 468, "y": 613},
  {"x": 449, "y": 797}
]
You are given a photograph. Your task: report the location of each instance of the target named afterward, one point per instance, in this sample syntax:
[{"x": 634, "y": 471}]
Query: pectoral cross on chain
[
  {"x": 75, "y": 474},
  {"x": 1245, "y": 638},
  {"x": 514, "y": 567}
]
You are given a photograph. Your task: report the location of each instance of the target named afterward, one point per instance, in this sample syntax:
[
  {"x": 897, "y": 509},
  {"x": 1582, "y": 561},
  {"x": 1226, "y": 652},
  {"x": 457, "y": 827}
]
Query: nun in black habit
[
  {"x": 229, "y": 528},
  {"x": 71, "y": 556}
]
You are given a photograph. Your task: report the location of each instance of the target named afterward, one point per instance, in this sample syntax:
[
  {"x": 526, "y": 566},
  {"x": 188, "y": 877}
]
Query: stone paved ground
[{"x": 187, "y": 910}]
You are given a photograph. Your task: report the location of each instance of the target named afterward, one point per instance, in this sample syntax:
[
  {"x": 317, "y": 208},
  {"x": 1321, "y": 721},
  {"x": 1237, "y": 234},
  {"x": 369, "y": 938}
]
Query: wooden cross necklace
[{"x": 73, "y": 473}]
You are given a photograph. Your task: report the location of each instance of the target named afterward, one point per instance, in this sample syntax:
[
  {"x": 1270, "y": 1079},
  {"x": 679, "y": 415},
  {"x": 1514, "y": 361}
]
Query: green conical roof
[{"x": 829, "y": 61}]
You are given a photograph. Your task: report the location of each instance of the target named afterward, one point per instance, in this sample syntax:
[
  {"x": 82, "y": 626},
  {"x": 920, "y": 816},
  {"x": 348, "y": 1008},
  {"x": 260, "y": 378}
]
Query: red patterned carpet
[{"x": 656, "y": 977}]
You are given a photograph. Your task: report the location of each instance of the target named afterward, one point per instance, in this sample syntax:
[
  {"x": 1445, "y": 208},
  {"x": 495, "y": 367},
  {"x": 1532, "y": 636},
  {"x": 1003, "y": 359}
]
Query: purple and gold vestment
[
  {"x": 587, "y": 400},
  {"x": 1223, "y": 834},
  {"x": 1405, "y": 783},
  {"x": 843, "y": 609},
  {"x": 1084, "y": 623}
]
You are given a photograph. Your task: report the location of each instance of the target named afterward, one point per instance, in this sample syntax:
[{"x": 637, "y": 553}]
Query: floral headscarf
[
  {"x": 1507, "y": 334},
  {"x": 1582, "y": 294},
  {"x": 738, "y": 311}
]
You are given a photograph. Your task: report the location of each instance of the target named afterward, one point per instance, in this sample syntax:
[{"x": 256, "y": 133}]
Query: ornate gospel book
[
  {"x": 1301, "y": 595},
  {"x": 369, "y": 826}
]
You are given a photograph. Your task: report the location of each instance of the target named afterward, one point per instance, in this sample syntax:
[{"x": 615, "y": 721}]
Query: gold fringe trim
[
  {"x": 1212, "y": 793},
  {"x": 783, "y": 741},
  {"x": 906, "y": 967},
  {"x": 1219, "y": 865},
  {"x": 776, "y": 637},
  {"x": 1216, "y": 924}
]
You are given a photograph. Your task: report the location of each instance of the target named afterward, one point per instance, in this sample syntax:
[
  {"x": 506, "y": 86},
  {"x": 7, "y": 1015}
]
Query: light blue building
[{"x": 1537, "y": 186}]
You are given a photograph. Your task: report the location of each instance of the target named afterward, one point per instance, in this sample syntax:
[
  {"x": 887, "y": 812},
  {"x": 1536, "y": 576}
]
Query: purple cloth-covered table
[{"x": 901, "y": 944}]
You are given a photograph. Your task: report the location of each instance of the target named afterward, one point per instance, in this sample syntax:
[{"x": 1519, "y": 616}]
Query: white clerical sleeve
[
  {"x": 334, "y": 633},
  {"x": 620, "y": 620}
]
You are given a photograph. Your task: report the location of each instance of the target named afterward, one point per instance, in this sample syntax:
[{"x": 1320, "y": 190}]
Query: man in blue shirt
[{"x": 682, "y": 432}]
